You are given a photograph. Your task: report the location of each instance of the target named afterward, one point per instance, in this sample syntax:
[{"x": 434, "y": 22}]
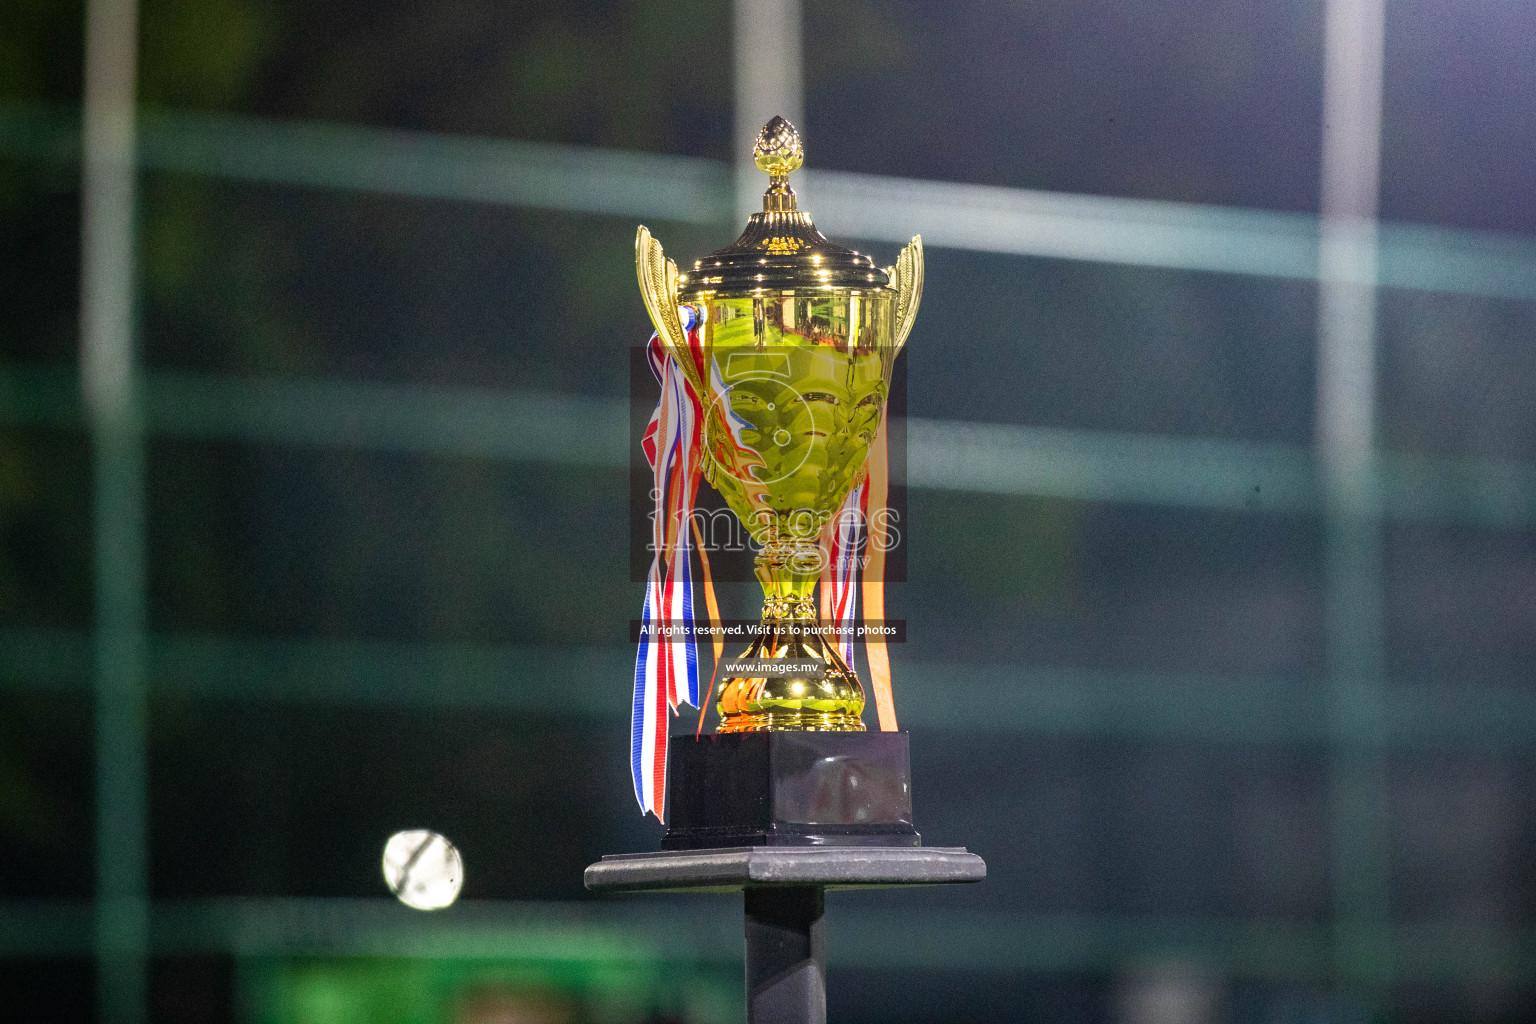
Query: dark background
[{"x": 1121, "y": 705}]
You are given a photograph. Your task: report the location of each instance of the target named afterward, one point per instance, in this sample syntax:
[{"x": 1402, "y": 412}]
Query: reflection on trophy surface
[{"x": 796, "y": 340}]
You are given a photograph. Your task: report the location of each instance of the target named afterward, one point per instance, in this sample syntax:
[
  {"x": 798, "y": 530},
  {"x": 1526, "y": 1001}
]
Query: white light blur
[{"x": 423, "y": 869}]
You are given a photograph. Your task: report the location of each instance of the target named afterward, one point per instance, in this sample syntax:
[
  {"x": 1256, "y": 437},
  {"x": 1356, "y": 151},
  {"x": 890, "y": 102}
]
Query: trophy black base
[{"x": 789, "y": 789}]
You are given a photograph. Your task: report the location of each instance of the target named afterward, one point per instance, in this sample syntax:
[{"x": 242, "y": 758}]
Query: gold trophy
[
  {"x": 798, "y": 338},
  {"x": 781, "y": 354}
]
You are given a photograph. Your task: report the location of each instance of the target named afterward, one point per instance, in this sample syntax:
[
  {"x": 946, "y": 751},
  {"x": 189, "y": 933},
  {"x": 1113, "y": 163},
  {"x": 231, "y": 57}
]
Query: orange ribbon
[
  {"x": 714, "y": 620},
  {"x": 874, "y": 581}
]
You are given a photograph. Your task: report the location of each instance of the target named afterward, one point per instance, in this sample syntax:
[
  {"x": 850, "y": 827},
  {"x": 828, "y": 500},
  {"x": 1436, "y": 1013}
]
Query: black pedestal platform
[
  {"x": 789, "y": 789},
  {"x": 783, "y": 889}
]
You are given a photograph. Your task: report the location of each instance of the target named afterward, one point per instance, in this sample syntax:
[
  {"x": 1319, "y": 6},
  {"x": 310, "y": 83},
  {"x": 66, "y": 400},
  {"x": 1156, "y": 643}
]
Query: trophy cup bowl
[{"x": 798, "y": 337}]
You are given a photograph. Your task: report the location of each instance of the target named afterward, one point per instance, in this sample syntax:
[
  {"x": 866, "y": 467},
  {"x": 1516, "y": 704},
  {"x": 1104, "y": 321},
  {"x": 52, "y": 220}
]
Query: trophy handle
[
  {"x": 658, "y": 287},
  {"x": 907, "y": 278}
]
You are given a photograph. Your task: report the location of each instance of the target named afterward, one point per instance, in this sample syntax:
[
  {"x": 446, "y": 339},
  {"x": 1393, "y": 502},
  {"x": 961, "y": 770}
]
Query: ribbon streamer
[
  {"x": 860, "y": 523},
  {"x": 878, "y": 486},
  {"x": 667, "y": 666},
  {"x": 713, "y": 607}
]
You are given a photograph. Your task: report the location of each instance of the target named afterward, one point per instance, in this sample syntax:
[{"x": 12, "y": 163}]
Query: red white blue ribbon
[
  {"x": 855, "y": 547},
  {"x": 667, "y": 666},
  {"x": 840, "y": 581}
]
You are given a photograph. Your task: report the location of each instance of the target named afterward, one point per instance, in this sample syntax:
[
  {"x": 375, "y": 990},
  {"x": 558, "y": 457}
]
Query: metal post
[
  {"x": 111, "y": 401},
  {"x": 1346, "y": 412},
  {"x": 769, "y": 77},
  {"x": 786, "y": 955}
]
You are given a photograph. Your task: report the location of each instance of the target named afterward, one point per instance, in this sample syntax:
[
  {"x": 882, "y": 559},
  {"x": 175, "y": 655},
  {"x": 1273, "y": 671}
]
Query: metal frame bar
[
  {"x": 945, "y": 455},
  {"x": 769, "y": 79},
  {"x": 1420, "y": 717},
  {"x": 1354, "y": 585},
  {"x": 110, "y": 391},
  {"x": 984, "y": 218},
  {"x": 708, "y": 930}
]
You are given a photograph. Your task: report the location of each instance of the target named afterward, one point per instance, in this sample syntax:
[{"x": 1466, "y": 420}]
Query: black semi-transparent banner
[{"x": 891, "y": 631}]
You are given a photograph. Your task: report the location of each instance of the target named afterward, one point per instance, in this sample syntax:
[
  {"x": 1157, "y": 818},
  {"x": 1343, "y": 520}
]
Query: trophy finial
[
  {"x": 780, "y": 248},
  {"x": 778, "y": 150}
]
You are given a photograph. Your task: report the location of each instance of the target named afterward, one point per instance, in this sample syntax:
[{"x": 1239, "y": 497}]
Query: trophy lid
[{"x": 781, "y": 248}]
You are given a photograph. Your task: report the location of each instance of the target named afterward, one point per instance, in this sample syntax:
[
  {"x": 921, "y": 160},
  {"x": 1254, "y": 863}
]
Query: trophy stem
[{"x": 831, "y": 701}]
